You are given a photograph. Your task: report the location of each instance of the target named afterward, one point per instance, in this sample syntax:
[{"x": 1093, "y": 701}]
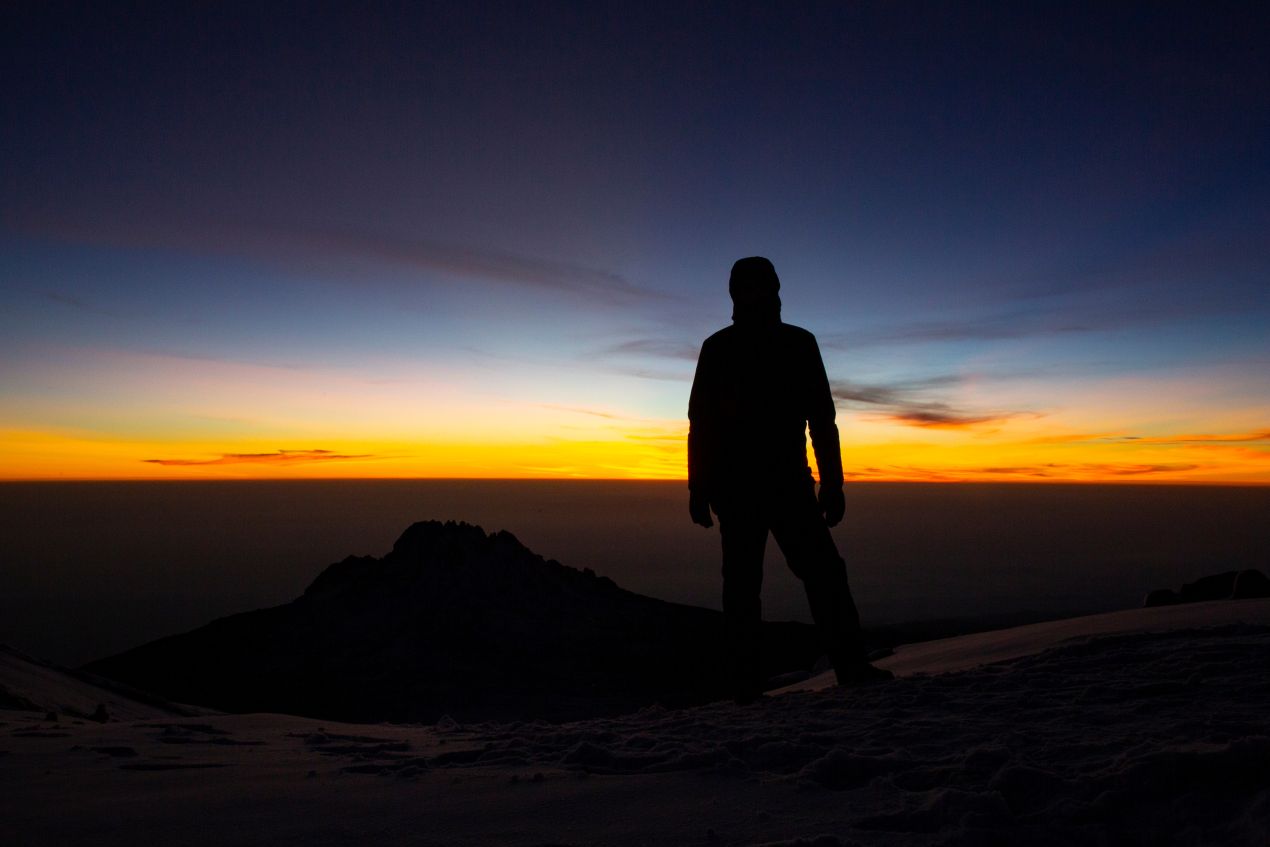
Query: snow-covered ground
[
  {"x": 968, "y": 651},
  {"x": 1140, "y": 727}
]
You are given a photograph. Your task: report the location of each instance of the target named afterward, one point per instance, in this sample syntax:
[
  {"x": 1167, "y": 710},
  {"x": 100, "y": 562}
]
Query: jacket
[{"x": 758, "y": 389}]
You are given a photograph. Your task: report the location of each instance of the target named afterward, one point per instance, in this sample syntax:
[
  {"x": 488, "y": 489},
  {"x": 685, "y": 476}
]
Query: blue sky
[{"x": 1051, "y": 216}]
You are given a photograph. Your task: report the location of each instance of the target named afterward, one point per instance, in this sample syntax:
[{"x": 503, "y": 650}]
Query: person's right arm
[{"x": 699, "y": 426}]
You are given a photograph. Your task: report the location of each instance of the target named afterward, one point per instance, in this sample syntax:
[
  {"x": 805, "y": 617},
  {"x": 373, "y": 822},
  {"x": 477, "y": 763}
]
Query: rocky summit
[{"x": 453, "y": 621}]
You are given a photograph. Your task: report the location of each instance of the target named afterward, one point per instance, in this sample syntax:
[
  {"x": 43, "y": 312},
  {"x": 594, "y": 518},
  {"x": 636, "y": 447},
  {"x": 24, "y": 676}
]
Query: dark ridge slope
[{"x": 452, "y": 621}]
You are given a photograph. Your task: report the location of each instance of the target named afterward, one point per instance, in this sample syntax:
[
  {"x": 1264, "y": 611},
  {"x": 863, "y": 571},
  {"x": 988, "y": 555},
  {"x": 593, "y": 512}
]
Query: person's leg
[
  {"x": 799, "y": 528},
  {"x": 744, "y": 535}
]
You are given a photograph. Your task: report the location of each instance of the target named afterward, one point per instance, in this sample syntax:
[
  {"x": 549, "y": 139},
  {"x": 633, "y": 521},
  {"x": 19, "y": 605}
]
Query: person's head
[{"x": 754, "y": 286}]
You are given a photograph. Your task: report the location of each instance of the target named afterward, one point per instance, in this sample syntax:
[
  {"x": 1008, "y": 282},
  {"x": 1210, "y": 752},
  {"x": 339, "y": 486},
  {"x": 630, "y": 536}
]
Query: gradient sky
[{"x": 487, "y": 239}]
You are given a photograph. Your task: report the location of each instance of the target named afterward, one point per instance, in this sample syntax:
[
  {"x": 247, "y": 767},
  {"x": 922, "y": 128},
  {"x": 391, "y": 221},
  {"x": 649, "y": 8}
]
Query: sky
[{"x": 487, "y": 239}]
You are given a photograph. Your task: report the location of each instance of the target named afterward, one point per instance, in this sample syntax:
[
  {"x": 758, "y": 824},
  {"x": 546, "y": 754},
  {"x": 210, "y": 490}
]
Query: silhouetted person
[{"x": 760, "y": 386}]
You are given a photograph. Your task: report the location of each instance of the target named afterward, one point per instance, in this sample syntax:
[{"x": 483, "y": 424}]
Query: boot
[{"x": 861, "y": 673}]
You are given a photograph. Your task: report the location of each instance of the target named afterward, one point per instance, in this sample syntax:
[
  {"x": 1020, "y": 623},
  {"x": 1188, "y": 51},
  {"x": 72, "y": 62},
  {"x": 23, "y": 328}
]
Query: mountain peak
[
  {"x": 454, "y": 559},
  {"x": 450, "y": 541},
  {"x": 452, "y": 621}
]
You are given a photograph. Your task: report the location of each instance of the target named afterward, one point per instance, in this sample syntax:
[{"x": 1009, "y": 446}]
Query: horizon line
[{"x": 1154, "y": 483}]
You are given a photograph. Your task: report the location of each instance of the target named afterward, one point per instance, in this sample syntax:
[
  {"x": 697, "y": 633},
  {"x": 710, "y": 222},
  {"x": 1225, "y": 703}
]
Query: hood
[{"x": 754, "y": 287}]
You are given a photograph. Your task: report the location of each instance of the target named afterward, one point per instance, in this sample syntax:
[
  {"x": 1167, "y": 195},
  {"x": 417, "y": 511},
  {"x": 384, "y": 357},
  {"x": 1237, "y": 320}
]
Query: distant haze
[{"x": 93, "y": 568}]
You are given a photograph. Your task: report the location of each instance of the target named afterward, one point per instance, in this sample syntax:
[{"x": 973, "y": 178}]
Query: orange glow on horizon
[
  {"x": 618, "y": 449},
  {"x": 134, "y": 416}
]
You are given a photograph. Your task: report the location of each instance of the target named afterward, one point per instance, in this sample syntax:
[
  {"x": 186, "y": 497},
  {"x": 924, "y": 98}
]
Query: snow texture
[{"x": 1157, "y": 737}]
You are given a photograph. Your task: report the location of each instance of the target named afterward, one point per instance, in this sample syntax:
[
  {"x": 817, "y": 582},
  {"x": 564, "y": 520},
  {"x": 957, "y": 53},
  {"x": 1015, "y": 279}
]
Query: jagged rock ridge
[
  {"x": 451, "y": 621},
  {"x": 1228, "y": 585}
]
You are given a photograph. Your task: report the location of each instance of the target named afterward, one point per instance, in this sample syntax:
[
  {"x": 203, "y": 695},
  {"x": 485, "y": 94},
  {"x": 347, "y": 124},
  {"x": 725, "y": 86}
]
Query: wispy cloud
[
  {"x": 279, "y": 457},
  {"x": 1078, "y": 314},
  {"x": 288, "y": 244},
  {"x": 910, "y": 402},
  {"x": 658, "y": 347},
  {"x": 653, "y": 373},
  {"x": 1053, "y": 470},
  {"x": 943, "y": 416},
  {"x": 579, "y": 410},
  {"x": 490, "y": 264},
  {"x": 65, "y": 299},
  {"x": 907, "y": 473},
  {"x": 999, "y": 327},
  {"x": 1050, "y": 471},
  {"x": 1235, "y": 438},
  {"x": 78, "y": 303},
  {"x": 634, "y": 357},
  {"x": 1230, "y": 438}
]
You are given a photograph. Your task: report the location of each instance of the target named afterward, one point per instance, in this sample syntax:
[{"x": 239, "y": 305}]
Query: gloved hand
[
  {"x": 699, "y": 508},
  {"x": 832, "y": 503}
]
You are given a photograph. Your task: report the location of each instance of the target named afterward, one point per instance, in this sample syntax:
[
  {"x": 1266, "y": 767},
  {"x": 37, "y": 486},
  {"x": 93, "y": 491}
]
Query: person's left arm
[{"x": 822, "y": 425}]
